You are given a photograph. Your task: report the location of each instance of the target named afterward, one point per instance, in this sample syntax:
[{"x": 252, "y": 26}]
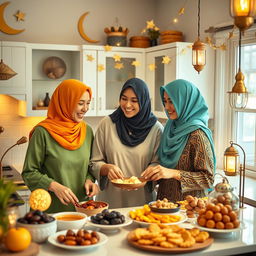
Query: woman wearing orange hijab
[{"x": 59, "y": 149}]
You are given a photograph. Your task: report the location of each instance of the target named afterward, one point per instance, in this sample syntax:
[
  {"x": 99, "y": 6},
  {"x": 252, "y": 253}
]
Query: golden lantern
[
  {"x": 231, "y": 168},
  {"x": 198, "y": 49},
  {"x": 243, "y": 12}
]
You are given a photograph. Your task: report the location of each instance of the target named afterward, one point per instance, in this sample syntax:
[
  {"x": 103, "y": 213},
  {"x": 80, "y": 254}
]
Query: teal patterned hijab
[{"x": 192, "y": 114}]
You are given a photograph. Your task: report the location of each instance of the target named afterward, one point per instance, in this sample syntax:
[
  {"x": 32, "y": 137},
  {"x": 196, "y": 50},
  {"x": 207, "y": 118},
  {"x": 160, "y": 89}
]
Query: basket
[{"x": 140, "y": 41}]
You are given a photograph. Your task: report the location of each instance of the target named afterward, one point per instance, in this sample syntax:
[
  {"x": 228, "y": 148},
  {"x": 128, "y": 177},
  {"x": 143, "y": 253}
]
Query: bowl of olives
[
  {"x": 40, "y": 225},
  {"x": 109, "y": 221}
]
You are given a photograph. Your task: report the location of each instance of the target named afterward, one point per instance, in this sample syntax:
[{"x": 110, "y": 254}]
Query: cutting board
[{"x": 32, "y": 250}]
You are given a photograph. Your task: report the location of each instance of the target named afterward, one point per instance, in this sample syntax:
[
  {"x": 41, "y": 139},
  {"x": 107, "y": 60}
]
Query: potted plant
[{"x": 6, "y": 191}]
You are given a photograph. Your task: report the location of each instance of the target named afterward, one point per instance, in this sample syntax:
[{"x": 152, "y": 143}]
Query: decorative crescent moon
[
  {"x": 81, "y": 31},
  {"x": 3, "y": 26}
]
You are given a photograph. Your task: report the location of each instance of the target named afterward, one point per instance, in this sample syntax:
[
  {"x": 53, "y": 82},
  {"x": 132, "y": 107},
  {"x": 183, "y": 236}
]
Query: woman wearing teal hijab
[{"x": 186, "y": 151}]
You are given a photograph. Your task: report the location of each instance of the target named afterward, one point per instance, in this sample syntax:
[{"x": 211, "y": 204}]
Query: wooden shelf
[{"x": 40, "y": 108}]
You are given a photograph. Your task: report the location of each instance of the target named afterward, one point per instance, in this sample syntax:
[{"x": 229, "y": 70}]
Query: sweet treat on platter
[
  {"x": 168, "y": 236},
  {"x": 91, "y": 204},
  {"x": 218, "y": 216},
  {"x": 81, "y": 237},
  {"x": 194, "y": 205},
  {"x": 131, "y": 180},
  {"x": 146, "y": 215},
  {"x": 163, "y": 204},
  {"x": 107, "y": 217}
]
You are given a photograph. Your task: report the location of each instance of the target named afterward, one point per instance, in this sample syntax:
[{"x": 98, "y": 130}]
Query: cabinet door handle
[
  {"x": 100, "y": 103},
  {"x": 93, "y": 102}
]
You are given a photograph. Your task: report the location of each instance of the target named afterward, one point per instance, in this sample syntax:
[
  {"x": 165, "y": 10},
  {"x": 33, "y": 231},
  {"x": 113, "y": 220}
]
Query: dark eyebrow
[{"x": 122, "y": 95}]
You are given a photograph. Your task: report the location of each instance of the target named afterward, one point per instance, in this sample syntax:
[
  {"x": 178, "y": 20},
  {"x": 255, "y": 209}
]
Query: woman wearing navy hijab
[
  {"x": 186, "y": 152},
  {"x": 125, "y": 144}
]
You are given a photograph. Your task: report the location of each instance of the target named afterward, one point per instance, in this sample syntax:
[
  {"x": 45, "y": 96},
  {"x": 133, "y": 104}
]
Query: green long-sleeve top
[{"x": 47, "y": 161}]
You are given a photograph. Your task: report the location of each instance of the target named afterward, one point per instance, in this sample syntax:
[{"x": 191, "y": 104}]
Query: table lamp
[{"x": 231, "y": 168}]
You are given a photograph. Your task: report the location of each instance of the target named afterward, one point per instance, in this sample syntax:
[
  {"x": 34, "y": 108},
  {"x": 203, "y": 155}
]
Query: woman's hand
[
  {"x": 65, "y": 194},
  {"x": 159, "y": 172},
  {"x": 112, "y": 171},
  {"x": 91, "y": 188}
]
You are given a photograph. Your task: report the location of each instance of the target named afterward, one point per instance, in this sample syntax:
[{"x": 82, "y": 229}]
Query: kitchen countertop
[{"x": 238, "y": 243}]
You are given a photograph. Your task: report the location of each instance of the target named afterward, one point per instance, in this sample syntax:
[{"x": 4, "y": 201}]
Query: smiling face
[
  {"x": 129, "y": 103},
  {"x": 169, "y": 107},
  {"x": 81, "y": 108}
]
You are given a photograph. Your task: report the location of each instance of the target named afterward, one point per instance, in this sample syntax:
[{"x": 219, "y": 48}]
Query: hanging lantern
[
  {"x": 198, "y": 55},
  {"x": 198, "y": 49},
  {"x": 243, "y": 12}
]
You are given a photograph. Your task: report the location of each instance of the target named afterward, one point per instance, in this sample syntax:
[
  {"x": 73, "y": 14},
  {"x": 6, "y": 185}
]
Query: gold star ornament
[
  {"x": 89, "y": 57},
  {"x": 150, "y": 24},
  {"x": 136, "y": 63},
  {"x": 101, "y": 67},
  {"x": 181, "y": 11},
  {"x": 119, "y": 66},
  {"x": 166, "y": 60},
  {"x": 20, "y": 16},
  {"x": 117, "y": 57},
  {"x": 107, "y": 48},
  {"x": 151, "y": 67}
]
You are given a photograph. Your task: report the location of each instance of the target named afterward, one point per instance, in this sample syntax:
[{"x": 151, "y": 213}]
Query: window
[{"x": 244, "y": 120}]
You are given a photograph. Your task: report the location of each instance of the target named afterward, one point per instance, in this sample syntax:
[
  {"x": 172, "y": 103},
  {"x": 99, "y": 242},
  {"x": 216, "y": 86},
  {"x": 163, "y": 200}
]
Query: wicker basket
[
  {"x": 170, "y": 36},
  {"x": 140, "y": 41}
]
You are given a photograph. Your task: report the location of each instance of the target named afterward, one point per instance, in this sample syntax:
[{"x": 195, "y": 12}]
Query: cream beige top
[{"x": 107, "y": 148}]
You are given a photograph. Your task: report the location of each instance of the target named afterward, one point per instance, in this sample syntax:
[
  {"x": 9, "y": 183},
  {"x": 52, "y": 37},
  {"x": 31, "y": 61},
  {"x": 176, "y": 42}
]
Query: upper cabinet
[
  {"x": 179, "y": 67},
  {"x": 14, "y": 55},
  {"x": 47, "y": 66}
]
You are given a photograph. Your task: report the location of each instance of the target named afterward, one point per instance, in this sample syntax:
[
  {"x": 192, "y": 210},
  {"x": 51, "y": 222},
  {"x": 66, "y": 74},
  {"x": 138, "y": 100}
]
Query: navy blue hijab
[{"x": 139, "y": 125}]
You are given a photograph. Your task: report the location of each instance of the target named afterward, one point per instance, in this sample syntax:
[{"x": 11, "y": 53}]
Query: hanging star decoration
[
  {"x": 20, "y": 16},
  {"x": 90, "y": 57},
  {"x": 182, "y": 11},
  {"x": 117, "y": 57},
  {"x": 107, "y": 48},
  {"x": 101, "y": 67},
  {"x": 166, "y": 60},
  {"x": 136, "y": 63},
  {"x": 119, "y": 65},
  {"x": 152, "y": 30},
  {"x": 151, "y": 67}
]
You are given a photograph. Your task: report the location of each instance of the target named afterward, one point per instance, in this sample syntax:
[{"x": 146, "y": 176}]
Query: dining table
[{"x": 239, "y": 242}]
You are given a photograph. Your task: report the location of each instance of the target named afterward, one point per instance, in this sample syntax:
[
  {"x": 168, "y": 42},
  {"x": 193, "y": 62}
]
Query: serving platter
[
  {"x": 130, "y": 186},
  {"x": 146, "y": 224},
  {"x": 110, "y": 228},
  {"x": 53, "y": 240},
  {"x": 153, "y": 248}
]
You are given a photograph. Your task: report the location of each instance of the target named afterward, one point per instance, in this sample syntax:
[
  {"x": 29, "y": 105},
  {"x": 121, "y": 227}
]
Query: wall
[{"x": 55, "y": 21}]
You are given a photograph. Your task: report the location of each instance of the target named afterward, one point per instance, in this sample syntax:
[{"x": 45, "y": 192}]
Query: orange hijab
[{"x": 68, "y": 133}]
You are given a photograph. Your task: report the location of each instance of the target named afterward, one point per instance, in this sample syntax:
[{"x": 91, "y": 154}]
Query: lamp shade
[
  {"x": 198, "y": 55},
  {"x": 243, "y": 12},
  {"x": 231, "y": 161}
]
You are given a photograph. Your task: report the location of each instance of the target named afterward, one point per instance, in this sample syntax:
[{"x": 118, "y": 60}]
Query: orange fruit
[
  {"x": 229, "y": 225},
  {"x": 232, "y": 215},
  {"x": 225, "y": 218},
  {"x": 217, "y": 216},
  {"x": 17, "y": 239},
  {"x": 224, "y": 210},
  {"x": 209, "y": 215},
  {"x": 236, "y": 223},
  {"x": 40, "y": 199},
  {"x": 216, "y": 208}
]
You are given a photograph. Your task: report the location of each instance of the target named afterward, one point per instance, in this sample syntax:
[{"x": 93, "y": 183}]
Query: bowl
[
  {"x": 98, "y": 207},
  {"x": 164, "y": 210},
  {"x": 130, "y": 186},
  {"x": 70, "y": 220},
  {"x": 40, "y": 232}
]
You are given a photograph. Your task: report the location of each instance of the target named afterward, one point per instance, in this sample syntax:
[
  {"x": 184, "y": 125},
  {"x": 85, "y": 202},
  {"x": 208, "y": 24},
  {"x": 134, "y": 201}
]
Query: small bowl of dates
[
  {"x": 40, "y": 225},
  {"x": 91, "y": 207}
]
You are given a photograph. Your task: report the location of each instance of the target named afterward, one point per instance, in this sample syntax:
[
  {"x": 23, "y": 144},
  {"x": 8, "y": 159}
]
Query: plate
[
  {"x": 53, "y": 240},
  {"x": 164, "y": 210},
  {"x": 130, "y": 186},
  {"x": 222, "y": 231},
  {"x": 111, "y": 228},
  {"x": 146, "y": 224},
  {"x": 152, "y": 248}
]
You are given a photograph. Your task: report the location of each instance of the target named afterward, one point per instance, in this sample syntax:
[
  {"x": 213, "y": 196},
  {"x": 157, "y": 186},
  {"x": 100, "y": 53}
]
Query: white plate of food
[
  {"x": 183, "y": 218},
  {"x": 53, "y": 239},
  {"x": 222, "y": 231},
  {"x": 110, "y": 228}
]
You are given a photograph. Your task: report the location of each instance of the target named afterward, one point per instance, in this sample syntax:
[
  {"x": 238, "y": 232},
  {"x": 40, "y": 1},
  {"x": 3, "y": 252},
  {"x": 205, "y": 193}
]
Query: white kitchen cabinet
[
  {"x": 38, "y": 83},
  {"x": 180, "y": 67},
  {"x": 14, "y": 55},
  {"x": 106, "y": 84}
]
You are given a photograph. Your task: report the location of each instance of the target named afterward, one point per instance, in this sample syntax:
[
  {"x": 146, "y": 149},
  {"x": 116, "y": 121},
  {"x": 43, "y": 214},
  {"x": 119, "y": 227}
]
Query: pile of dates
[
  {"x": 107, "y": 217},
  {"x": 91, "y": 204},
  {"x": 36, "y": 217},
  {"x": 81, "y": 237}
]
